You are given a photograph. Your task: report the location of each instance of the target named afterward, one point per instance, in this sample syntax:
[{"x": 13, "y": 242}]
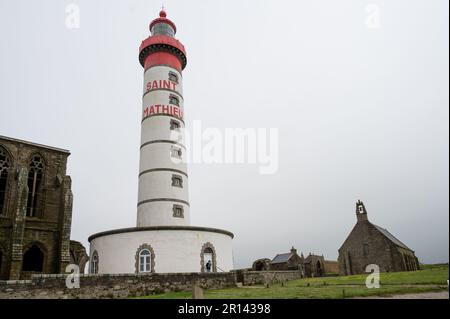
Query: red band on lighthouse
[
  {"x": 162, "y": 49},
  {"x": 163, "y": 58}
]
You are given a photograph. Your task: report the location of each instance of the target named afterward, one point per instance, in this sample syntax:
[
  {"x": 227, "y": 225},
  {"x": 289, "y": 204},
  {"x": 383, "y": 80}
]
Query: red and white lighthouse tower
[
  {"x": 163, "y": 240},
  {"x": 163, "y": 188}
]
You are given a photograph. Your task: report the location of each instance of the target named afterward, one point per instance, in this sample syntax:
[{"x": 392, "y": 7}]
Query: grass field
[{"x": 431, "y": 278}]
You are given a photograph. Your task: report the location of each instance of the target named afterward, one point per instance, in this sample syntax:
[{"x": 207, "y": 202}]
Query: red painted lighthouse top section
[
  {"x": 161, "y": 48},
  {"x": 163, "y": 19}
]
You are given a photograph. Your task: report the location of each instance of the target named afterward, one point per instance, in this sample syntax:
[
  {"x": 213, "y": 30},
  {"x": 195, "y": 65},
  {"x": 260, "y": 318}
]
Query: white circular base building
[{"x": 162, "y": 249}]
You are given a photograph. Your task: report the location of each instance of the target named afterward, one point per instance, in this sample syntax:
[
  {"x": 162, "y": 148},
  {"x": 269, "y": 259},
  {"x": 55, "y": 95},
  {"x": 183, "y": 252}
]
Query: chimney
[
  {"x": 361, "y": 213},
  {"x": 293, "y": 250}
]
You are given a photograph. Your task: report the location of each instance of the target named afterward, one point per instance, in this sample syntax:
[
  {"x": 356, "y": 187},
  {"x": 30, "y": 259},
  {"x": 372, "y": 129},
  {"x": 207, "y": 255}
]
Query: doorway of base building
[{"x": 208, "y": 260}]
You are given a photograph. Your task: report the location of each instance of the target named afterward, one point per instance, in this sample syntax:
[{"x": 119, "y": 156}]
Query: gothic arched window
[
  {"x": 35, "y": 175},
  {"x": 94, "y": 263},
  {"x": 5, "y": 164}
]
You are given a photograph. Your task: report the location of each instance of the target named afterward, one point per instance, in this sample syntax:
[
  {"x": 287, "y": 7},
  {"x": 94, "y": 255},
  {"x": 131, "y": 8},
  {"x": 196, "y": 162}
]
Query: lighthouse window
[
  {"x": 176, "y": 152},
  {"x": 173, "y": 77},
  {"x": 178, "y": 211},
  {"x": 163, "y": 28},
  {"x": 174, "y": 100},
  {"x": 177, "y": 181},
  {"x": 174, "y": 125}
]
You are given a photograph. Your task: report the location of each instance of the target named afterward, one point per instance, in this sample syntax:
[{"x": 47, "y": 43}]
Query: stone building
[
  {"x": 311, "y": 266},
  {"x": 288, "y": 261},
  {"x": 35, "y": 209},
  {"x": 78, "y": 255},
  {"x": 261, "y": 264},
  {"x": 314, "y": 266},
  {"x": 370, "y": 244}
]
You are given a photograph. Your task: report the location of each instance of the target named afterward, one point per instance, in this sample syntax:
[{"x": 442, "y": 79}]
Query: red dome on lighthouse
[{"x": 163, "y": 19}]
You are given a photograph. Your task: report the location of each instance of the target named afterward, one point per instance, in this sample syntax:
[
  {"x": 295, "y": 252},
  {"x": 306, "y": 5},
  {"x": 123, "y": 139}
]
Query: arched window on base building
[
  {"x": 145, "y": 259},
  {"x": 94, "y": 263}
]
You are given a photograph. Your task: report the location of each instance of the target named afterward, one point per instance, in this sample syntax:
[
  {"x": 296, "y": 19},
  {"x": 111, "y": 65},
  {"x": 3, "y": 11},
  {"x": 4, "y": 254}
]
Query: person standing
[{"x": 208, "y": 266}]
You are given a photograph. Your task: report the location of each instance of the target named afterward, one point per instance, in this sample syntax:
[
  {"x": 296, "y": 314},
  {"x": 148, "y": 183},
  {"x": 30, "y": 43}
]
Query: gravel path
[{"x": 422, "y": 295}]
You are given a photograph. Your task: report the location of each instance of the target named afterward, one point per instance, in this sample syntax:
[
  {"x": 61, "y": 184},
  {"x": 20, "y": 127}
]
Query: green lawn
[{"x": 428, "y": 279}]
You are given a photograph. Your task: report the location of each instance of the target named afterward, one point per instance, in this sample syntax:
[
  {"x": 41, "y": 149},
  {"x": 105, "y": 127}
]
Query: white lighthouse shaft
[{"x": 163, "y": 180}]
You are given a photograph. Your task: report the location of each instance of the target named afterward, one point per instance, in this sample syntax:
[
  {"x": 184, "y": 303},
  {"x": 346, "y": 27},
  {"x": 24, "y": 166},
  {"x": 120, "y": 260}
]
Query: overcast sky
[{"x": 358, "y": 92}]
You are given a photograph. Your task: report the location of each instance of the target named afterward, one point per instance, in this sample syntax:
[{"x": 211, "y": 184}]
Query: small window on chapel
[
  {"x": 174, "y": 125},
  {"x": 176, "y": 152},
  {"x": 173, "y": 77},
  {"x": 365, "y": 249},
  {"x": 177, "y": 181},
  {"x": 174, "y": 100},
  {"x": 178, "y": 211}
]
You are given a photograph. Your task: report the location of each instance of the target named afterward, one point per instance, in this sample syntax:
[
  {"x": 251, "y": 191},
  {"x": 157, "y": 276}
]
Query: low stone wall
[
  {"x": 331, "y": 267},
  {"x": 112, "y": 286},
  {"x": 249, "y": 278}
]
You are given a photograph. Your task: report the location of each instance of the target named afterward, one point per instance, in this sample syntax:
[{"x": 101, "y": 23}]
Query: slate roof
[
  {"x": 308, "y": 259},
  {"x": 281, "y": 258},
  {"x": 391, "y": 237}
]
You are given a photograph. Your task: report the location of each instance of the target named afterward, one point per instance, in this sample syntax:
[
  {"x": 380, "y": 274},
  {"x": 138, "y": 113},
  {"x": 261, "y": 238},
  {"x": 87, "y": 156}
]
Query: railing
[{"x": 220, "y": 269}]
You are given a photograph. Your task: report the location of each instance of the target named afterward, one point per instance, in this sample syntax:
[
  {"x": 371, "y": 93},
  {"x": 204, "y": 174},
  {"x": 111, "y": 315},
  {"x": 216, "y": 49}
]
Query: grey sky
[{"x": 362, "y": 113}]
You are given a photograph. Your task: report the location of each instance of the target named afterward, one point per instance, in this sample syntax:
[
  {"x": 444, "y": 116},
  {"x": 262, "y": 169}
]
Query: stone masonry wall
[
  {"x": 331, "y": 267},
  {"x": 268, "y": 277},
  {"x": 111, "y": 286},
  {"x": 132, "y": 285}
]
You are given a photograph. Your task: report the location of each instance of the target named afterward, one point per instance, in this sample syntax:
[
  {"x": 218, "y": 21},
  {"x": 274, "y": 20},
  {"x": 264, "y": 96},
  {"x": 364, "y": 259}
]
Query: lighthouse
[
  {"x": 163, "y": 178},
  {"x": 163, "y": 240}
]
